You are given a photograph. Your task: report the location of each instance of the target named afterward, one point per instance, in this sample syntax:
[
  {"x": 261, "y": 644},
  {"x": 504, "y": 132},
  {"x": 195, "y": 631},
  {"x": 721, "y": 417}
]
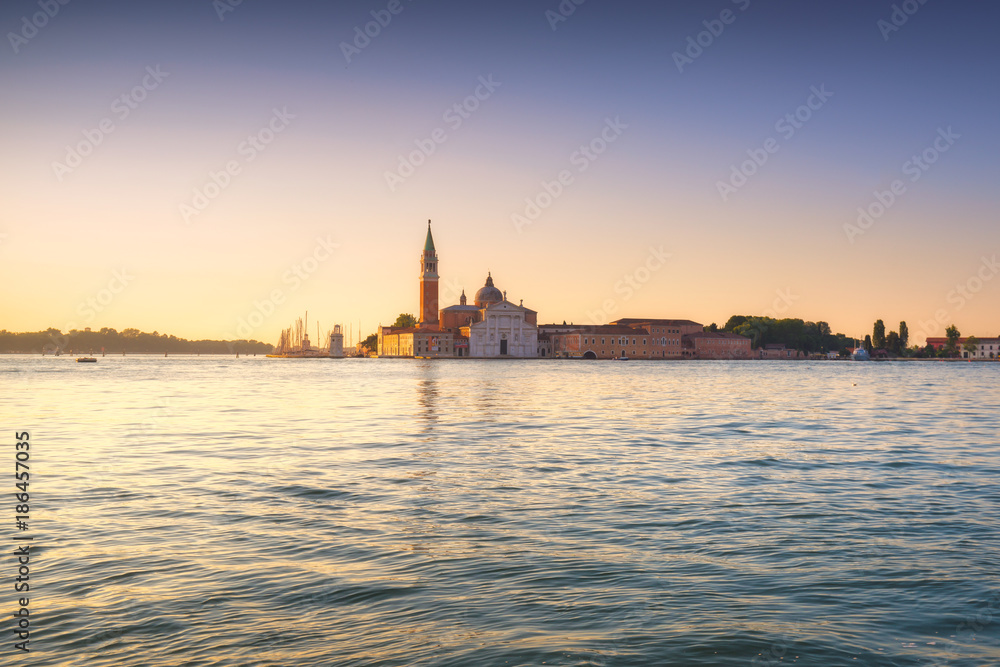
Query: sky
[{"x": 215, "y": 169}]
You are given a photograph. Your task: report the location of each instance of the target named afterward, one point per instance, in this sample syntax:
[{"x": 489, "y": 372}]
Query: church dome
[{"x": 488, "y": 294}]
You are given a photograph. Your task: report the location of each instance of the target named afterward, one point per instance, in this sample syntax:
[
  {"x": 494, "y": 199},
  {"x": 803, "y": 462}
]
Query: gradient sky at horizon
[{"x": 778, "y": 243}]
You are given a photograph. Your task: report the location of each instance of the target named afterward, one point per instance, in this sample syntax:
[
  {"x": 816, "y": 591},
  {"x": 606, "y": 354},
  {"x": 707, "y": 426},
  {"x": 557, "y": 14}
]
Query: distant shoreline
[{"x": 71, "y": 356}]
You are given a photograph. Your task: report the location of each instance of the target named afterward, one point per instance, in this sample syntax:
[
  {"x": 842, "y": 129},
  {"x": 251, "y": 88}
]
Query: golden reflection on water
[{"x": 416, "y": 510}]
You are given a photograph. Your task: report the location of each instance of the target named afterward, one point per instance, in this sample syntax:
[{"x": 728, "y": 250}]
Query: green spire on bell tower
[{"x": 429, "y": 243}]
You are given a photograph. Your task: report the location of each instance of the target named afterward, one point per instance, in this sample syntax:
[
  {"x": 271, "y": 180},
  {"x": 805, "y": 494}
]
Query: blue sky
[{"x": 788, "y": 229}]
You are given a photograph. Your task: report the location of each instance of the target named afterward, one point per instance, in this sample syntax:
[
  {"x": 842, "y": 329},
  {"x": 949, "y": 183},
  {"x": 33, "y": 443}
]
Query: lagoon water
[{"x": 222, "y": 511}]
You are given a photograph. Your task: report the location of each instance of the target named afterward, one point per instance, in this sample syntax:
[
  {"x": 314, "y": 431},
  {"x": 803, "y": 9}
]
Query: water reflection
[
  {"x": 428, "y": 396},
  {"x": 491, "y": 513}
]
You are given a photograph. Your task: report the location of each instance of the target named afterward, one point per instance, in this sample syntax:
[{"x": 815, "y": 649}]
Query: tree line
[
  {"x": 895, "y": 343},
  {"x": 812, "y": 337},
  {"x": 127, "y": 341},
  {"x": 793, "y": 333}
]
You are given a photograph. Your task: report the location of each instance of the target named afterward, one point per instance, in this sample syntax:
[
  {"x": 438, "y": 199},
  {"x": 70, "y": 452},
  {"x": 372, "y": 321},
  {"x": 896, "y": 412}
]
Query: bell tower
[{"x": 428, "y": 284}]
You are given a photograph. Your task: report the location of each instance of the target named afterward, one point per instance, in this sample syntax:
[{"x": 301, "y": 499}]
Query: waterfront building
[
  {"x": 778, "y": 351},
  {"x": 427, "y": 339},
  {"x": 415, "y": 342},
  {"x": 428, "y": 318},
  {"x": 987, "y": 348},
  {"x": 336, "y": 342},
  {"x": 494, "y": 327},
  {"x": 544, "y": 344},
  {"x": 661, "y": 327},
  {"x": 462, "y": 315},
  {"x": 716, "y": 345},
  {"x": 491, "y": 328},
  {"x": 666, "y": 336},
  {"x": 636, "y": 338},
  {"x": 506, "y": 330},
  {"x": 602, "y": 341}
]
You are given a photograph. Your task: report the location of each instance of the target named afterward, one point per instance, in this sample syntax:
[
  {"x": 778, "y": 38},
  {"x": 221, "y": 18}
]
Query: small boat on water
[
  {"x": 82, "y": 360},
  {"x": 860, "y": 354}
]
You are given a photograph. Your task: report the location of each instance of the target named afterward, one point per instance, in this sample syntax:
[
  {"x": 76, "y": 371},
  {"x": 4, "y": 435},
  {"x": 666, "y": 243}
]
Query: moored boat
[{"x": 294, "y": 343}]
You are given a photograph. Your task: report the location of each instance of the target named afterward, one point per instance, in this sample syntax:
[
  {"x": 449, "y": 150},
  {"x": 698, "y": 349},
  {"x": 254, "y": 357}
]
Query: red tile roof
[{"x": 630, "y": 321}]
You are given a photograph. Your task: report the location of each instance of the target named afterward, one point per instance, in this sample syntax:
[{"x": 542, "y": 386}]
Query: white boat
[{"x": 860, "y": 354}]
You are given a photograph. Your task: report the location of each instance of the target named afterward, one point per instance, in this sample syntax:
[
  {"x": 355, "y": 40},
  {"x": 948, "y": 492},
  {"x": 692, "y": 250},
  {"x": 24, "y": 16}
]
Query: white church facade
[
  {"x": 493, "y": 328},
  {"x": 505, "y": 331}
]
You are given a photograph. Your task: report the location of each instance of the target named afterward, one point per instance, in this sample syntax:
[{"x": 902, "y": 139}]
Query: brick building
[
  {"x": 716, "y": 345},
  {"x": 492, "y": 328},
  {"x": 634, "y": 338}
]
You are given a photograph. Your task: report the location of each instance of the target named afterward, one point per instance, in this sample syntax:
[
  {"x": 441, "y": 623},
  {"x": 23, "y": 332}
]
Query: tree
[
  {"x": 970, "y": 345},
  {"x": 904, "y": 334},
  {"x": 953, "y": 335},
  {"x": 868, "y": 343},
  {"x": 893, "y": 345},
  {"x": 755, "y": 329},
  {"x": 712, "y": 327},
  {"x": 878, "y": 335},
  {"x": 404, "y": 321},
  {"x": 733, "y": 322},
  {"x": 370, "y": 343}
]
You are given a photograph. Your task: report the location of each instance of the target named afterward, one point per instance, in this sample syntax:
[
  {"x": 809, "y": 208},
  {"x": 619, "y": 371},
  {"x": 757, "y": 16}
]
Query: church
[{"x": 492, "y": 328}]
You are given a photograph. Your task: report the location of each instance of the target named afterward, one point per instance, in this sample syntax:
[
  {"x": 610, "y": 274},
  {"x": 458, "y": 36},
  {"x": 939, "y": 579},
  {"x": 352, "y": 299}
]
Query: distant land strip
[{"x": 128, "y": 341}]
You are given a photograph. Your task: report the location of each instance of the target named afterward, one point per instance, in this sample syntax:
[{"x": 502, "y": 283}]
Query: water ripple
[{"x": 197, "y": 511}]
